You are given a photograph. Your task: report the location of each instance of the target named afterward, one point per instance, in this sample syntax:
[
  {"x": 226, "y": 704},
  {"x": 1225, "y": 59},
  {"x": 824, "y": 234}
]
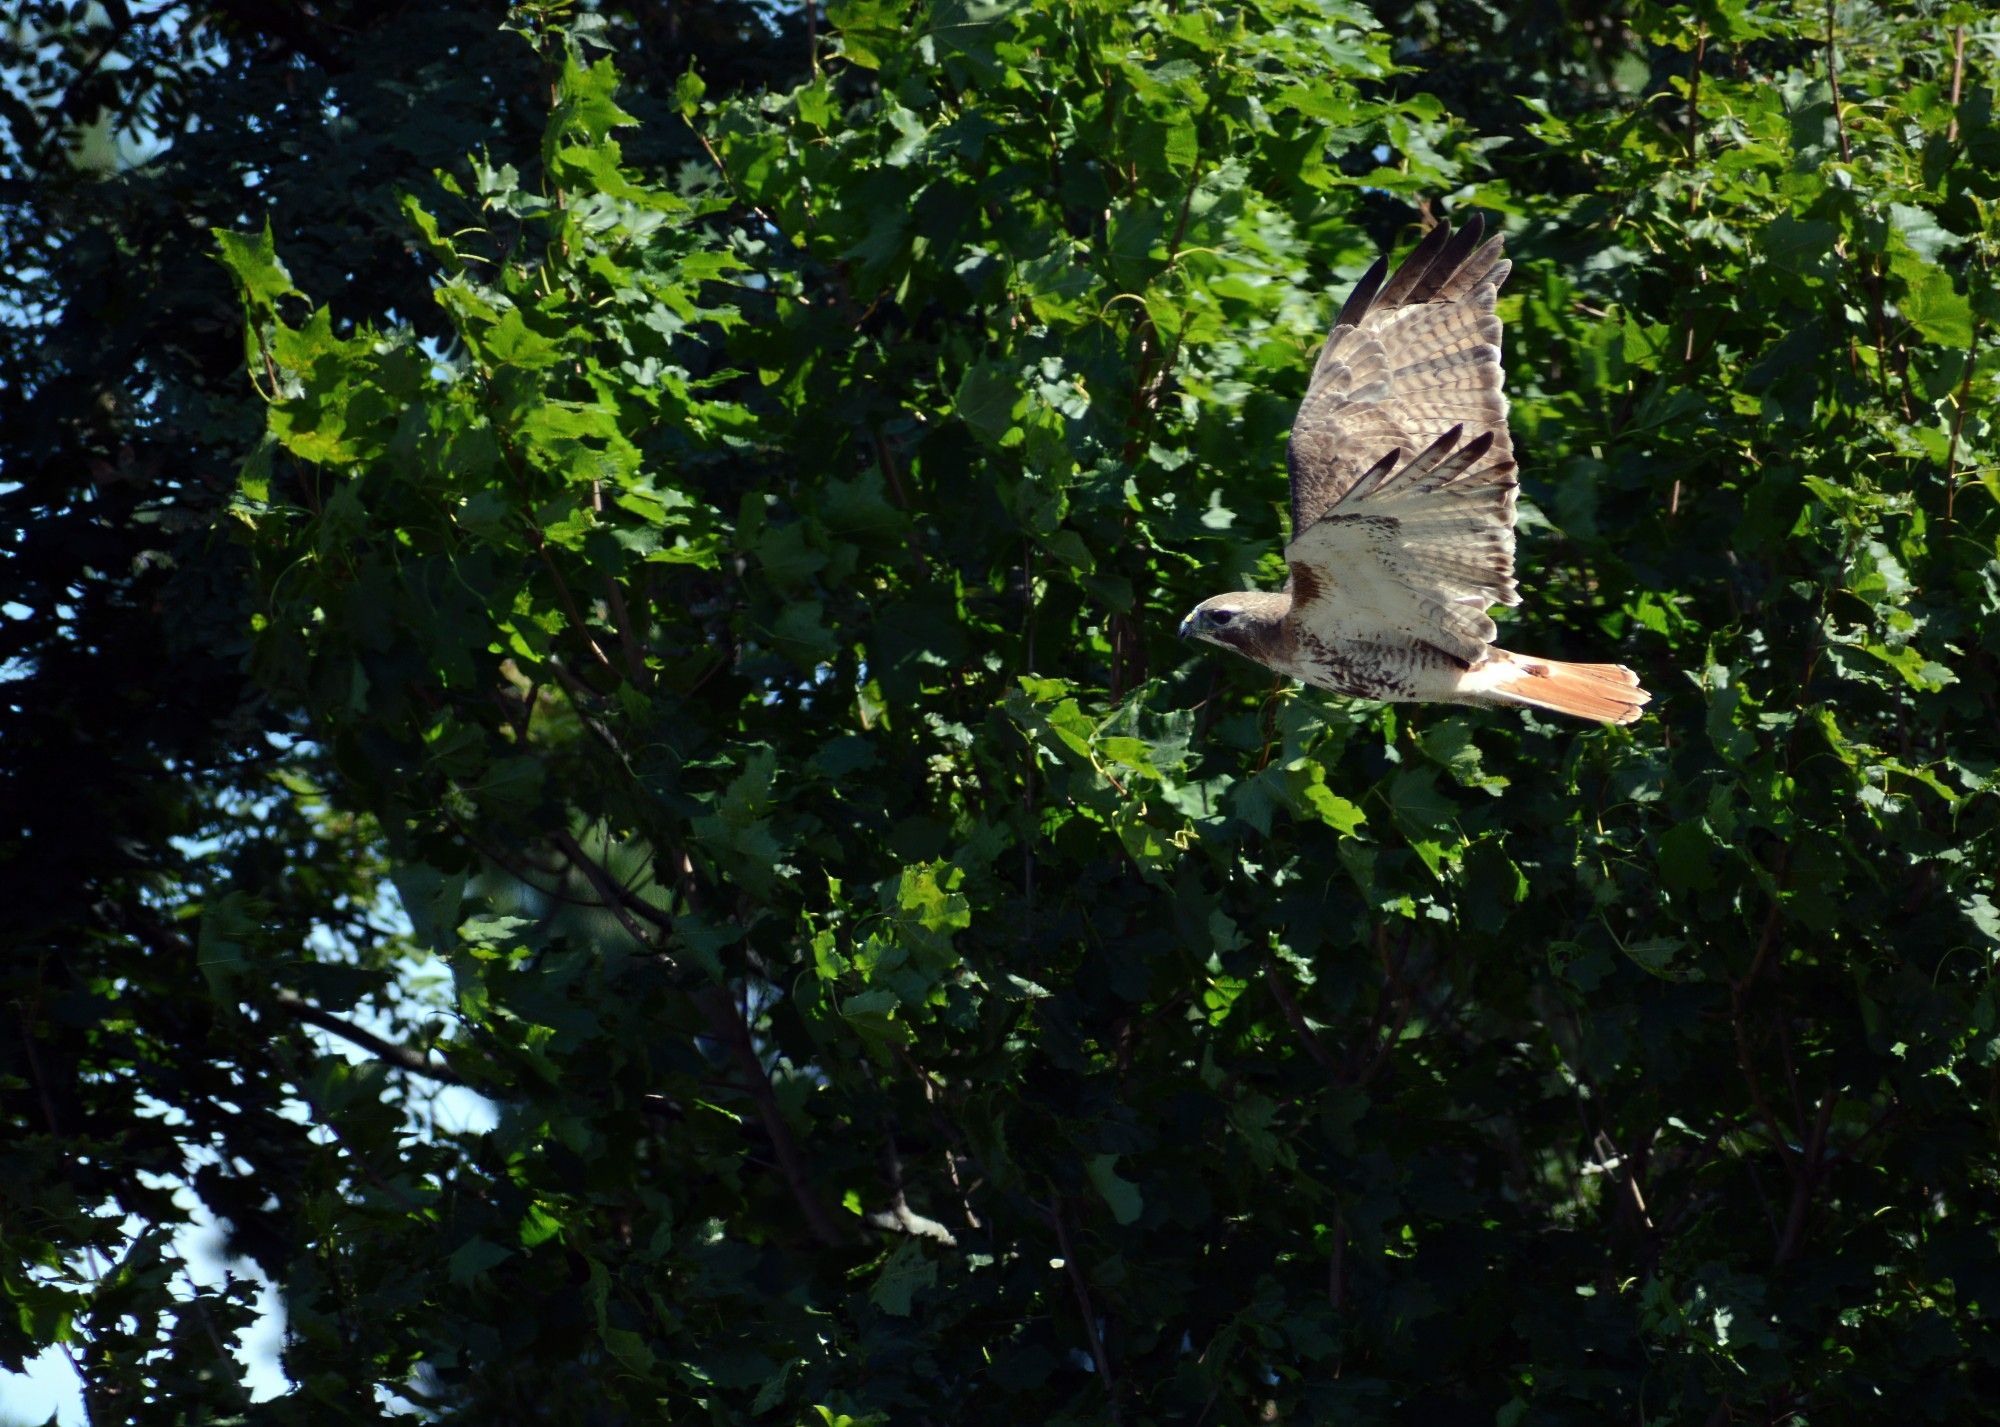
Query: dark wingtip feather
[
  {"x": 1363, "y": 296},
  {"x": 1444, "y": 267},
  {"x": 1487, "y": 266},
  {"x": 1414, "y": 267},
  {"x": 1369, "y": 479},
  {"x": 1444, "y": 460},
  {"x": 1438, "y": 449}
]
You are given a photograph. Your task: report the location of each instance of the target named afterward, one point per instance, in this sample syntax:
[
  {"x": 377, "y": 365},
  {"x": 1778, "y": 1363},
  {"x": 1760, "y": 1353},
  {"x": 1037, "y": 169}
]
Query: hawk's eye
[{"x": 1220, "y": 616}]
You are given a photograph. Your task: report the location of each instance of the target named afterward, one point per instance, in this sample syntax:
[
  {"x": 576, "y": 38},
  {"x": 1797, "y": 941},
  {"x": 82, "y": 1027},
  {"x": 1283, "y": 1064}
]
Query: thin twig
[
  {"x": 886, "y": 459},
  {"x": 954, "y": 1141},
  {"x": 1876, "y": 1126},
  {"x": 1766, "y": 939},
  {"x": 1694, "y": 90},
  {"x": 1392, "y": 987},
  {"x": 1763, "y": 1198},
  {"x": 1381, "y": 1056},
  {"x": 1694, "y": 204},
  {"x": 729, "y": 179},
  {"x": 606, "y": 886},
  {"x": 1958, "y": 425},
  {"x": 1791, "y": 1068},
  {"x": 1089, "y": 1311},
  {"x": 1156, "y": 367},
  {"x": 1336, "y": 1269},
  {"x": 1833, "y": 83},
  {"x": 728, "y": 1025},
  {"x": 569, "y": 604},
  {"x": 368, "y": 1170},
  {"x": 59, "y": 113},
  {"x": 1871, "y": 272},
  {"x": 193, "y": 1300},
  {"x": 1031, "y": 822},
  {"x": 581, "y": 695},
  {"x": 1756, "y": 1087},
  {"x": 1802, "y": 1191},
  {"x": 512, "y": 461},
  {"x": 35, "y": 1070},
  {"x": 1613, "y": 1160},
  {"x": 519, "y": 868},
  {"x": 1957, "y": 80}
]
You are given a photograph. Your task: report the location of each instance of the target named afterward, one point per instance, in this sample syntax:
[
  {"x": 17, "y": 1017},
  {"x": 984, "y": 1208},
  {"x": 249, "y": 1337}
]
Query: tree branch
[
  {"x": 122, "y": 24},
  {"x": 619, "y": 900},
  {"x": 730, "y": 1029},
  {"x": 1808, "y": 1180},
  {"x": 580, "y": 696},
  {"x": 1295, "y": 1018},
  {"x": 1738, "y": 997},
  {"x": 728, "y": 1026},
  {"x": 1336, "y": 1266},
  {"x": 568, "y": 600},
  {"x": 628, "y": 638},
  {"x": 386, "y": 1051}
]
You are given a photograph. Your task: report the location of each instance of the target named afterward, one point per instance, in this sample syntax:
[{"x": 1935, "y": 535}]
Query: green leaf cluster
[{"x": 725, "y": 634}]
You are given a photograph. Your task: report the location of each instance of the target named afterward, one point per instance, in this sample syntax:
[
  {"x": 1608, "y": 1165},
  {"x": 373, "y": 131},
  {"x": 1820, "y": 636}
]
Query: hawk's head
[{"x": 1246, "y": 621}]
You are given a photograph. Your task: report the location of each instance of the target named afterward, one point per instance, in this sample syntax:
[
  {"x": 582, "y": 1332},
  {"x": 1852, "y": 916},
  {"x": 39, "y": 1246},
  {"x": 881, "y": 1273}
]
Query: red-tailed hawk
[{"x": 1403, "y": 507}]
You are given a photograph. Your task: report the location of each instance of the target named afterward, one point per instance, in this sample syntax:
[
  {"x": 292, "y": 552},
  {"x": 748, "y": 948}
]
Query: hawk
[{"x": 1403, "y": 507}]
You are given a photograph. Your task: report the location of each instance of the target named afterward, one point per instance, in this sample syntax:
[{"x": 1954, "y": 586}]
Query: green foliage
[{"x": 736, "y": 616}]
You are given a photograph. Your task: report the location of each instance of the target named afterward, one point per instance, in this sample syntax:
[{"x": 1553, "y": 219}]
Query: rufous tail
[{"x": 1609, "y": 693}]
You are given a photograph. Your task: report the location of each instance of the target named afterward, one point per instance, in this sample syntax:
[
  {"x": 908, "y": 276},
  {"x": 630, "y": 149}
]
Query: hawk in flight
[{"x": 1403, "y": 507}]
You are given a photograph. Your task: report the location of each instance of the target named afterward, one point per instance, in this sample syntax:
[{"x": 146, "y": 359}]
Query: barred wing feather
[
  {"x": 1410, "y": 357},
  {"x": 1418, "y": 548}
]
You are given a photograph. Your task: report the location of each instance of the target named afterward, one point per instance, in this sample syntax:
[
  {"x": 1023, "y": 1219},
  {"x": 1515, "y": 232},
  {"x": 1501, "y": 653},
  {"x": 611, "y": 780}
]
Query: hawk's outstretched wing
[
  {"x": 1414, "y": 549},
  {"x": 1402, "y": 466},
  {"x": 1408, "y": 359}
]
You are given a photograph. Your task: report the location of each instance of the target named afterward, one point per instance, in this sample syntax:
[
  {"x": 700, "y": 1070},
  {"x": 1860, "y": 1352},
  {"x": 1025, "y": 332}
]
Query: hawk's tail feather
[{"x": 1609, "y": 693}]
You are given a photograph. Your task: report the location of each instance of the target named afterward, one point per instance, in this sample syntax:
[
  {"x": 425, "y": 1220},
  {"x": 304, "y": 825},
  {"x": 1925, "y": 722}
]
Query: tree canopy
[{"x": 627, "y": 560}]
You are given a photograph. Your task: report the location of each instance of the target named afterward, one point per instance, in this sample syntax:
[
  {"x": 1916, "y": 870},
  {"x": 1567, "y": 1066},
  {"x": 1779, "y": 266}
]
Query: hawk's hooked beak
[{"x": 1187, "y": 625}]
